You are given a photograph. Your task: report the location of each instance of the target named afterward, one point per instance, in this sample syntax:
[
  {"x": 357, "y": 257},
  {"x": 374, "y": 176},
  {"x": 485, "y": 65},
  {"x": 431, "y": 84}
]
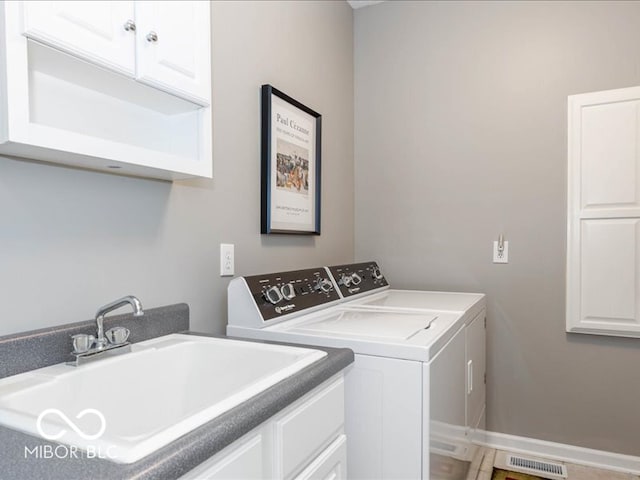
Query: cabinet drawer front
[
  {"x": 241, "y": 462},
  {"x": 330, "y": 464},
  {"x": 308, "y": 429}
]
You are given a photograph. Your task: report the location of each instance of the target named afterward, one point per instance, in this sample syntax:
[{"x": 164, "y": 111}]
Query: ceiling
[{"x": 362, "y": 3}]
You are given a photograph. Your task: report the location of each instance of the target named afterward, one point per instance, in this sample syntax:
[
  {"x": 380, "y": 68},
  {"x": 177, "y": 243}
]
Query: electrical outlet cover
[
  {"x": 227, "y": 260},
  {"x": 497, "y": 256}
]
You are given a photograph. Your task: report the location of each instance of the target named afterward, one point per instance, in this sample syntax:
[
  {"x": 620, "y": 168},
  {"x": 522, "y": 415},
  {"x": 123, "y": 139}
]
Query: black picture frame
[{"x": 290, "y": 165}]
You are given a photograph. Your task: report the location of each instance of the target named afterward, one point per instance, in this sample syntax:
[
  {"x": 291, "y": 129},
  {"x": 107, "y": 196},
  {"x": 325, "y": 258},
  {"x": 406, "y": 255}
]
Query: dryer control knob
[
  {"x": 287, "y": 290},
  {"x": 355, "y": 278},
  {"x": 345, "y": 280},
  {"x": 324, "y": 285},
  {"x": 377, "y": 274},
  {"x": 273, "y": 295}
]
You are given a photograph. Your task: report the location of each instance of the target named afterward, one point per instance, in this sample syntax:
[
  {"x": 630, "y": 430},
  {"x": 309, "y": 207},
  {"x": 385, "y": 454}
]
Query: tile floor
[{"x": 498, "y": 458}]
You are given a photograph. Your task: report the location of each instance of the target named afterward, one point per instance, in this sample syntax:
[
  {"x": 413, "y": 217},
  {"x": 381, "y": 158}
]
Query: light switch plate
[
  {"x": 497, "y": 256},
  {"x": 227, "y": 260}
]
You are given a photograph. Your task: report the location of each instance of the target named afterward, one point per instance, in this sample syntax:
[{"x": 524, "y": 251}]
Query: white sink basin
[{"x": 143, "y": 400}]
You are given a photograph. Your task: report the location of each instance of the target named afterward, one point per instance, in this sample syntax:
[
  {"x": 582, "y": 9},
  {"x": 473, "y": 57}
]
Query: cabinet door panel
[
  {"x": 609, "y": 145},
  {"x": 610, "y": 272},
  {"x": 90, "y": 30},
  {"x": 179, "y": 59}
]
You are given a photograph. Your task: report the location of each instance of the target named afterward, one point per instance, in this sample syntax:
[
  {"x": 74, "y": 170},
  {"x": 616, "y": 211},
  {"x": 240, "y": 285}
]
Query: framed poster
[{"x": 290, "y": 165}]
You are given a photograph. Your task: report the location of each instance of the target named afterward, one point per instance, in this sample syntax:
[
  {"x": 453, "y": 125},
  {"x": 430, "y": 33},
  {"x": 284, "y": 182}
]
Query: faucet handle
[
  {"x": 117, "y": 335},
  {"x": 82, "y": 342}
]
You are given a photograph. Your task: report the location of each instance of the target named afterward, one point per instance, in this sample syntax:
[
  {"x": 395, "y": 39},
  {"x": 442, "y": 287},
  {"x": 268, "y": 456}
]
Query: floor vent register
[{"x": 548, "y": 469}]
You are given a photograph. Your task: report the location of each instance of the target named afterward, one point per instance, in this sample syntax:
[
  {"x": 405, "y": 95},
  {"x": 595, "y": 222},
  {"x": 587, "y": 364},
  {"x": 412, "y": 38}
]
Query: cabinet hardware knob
[
  {"x": 152, "y": 36},
  {"x": 130, "y": 26}
]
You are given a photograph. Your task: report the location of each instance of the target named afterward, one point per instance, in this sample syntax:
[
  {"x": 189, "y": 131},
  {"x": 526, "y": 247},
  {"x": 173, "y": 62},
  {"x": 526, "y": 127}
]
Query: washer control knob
[
  {"x": 323, "y": 285},
  {"x": 287, "y": 290},
  {"x": 345, "y": 280},
  {"x": 377, "y": 274},
  {"x": 273, "y": 295},
  {"x": 355, "y": 278}
]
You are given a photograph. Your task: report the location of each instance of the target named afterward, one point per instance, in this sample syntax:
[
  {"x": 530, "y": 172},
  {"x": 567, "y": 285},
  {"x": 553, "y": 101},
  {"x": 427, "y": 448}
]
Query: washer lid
[{"x": 392, "y": 326}]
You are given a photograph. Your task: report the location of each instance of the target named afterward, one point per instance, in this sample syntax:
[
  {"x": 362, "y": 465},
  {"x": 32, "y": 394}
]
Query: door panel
[
  {"x": 94, "y": 31},
  {"x": 178, "y": 58},
  {"x": 610, "y": 155},
  {"x": 610, "y": 272}
]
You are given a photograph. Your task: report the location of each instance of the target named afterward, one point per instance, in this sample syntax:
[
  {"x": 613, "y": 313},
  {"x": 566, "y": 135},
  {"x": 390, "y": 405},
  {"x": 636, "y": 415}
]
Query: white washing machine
[
  {"x": 411, "y": 393},
  {"x": 472, "y": 305}
]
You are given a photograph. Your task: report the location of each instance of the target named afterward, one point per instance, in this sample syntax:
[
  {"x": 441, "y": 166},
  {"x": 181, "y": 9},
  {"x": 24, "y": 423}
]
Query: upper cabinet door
[
  {"x": 603, "y": 254},
  {"x": 102, "y": 32},
  {"x": 174, "y": 48}
]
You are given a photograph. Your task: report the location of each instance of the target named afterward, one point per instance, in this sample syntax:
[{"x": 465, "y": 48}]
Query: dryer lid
[{"x": 424, "y": 300}]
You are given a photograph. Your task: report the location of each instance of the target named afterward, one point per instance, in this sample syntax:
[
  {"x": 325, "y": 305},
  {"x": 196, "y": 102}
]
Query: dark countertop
[{"x": 185, "y": 453}]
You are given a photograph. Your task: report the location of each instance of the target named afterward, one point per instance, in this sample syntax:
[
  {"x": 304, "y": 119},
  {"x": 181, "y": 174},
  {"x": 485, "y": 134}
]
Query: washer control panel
[
  {"x": 355, "y": 278},
  {"x": 276, "y": 294}
]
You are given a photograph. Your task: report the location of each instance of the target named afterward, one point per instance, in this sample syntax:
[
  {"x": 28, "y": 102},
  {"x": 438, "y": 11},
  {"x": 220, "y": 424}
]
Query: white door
[
  {"x": 603, "y": 257},
  {"x": 174, "y": 48},
  {"x": 476, "y": 365},
  {"x": 101, "y": 32}
]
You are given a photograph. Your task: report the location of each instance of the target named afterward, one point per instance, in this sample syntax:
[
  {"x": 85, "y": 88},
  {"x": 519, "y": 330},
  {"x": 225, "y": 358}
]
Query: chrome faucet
[
  {"x": 101, "y": 340},
  {"x": 113, "y": 342}
]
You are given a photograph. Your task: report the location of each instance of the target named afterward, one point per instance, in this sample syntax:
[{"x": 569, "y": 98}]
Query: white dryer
[{"x": 407, "y": 391}]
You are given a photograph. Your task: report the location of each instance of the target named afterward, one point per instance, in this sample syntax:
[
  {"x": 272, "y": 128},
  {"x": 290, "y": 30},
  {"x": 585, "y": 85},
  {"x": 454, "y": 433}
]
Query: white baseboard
[{"x": 561, "y": 452}]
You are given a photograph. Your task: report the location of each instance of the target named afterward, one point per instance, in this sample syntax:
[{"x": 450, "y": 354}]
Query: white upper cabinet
[
  {"x": 81, "y": 85},
  {"x": 174, "y": 47},
  {"x": 165, "y": 44},
  {"x": 603, "y": 257},
  {"x": 102, "y": 32}
]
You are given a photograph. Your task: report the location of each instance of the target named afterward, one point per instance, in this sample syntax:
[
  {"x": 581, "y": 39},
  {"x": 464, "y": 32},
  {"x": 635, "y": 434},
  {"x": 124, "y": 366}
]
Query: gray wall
[
  {"x": 72, "y": 240},
  {"x": 460, "y": 135}
]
